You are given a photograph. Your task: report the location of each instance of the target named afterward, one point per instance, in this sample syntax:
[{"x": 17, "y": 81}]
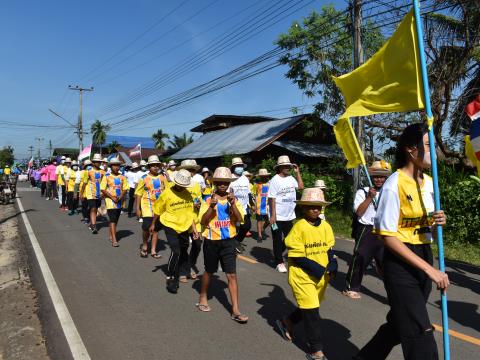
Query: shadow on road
[
  {"x": 121, "y": 234},
  {"x": 276, "y": 305},
  {"x": 15, "y": 215},
  {"x": 218, "y": 289},
  {"x": 464, "y": 313},
  {"x": 263, "y": 255}
]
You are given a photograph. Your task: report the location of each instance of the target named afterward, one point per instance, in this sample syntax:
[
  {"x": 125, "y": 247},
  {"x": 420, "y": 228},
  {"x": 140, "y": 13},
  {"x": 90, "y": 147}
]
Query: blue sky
[{"x": 49, "y": 45}]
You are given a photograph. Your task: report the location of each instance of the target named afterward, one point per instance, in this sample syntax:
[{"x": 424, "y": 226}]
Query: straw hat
[
  {"x": 380, "y": 168},
  {"x": 114, "y": 161},
  {"x": 68, "y": 161},
  {"x": 97, "y": 158},
  {"x": 153, "y": 159},
  {"x": 247, "y": 174},
  {"x": 262, "y": 172},
  {"x": 74, "y": 162},
  {"x": 283, "y": 160},
  {"x": 222, "y": 174},
  {"x": 189, "y": 164},
  {"x": 134, "y": 165},
  {"x": 238, "y": 161},
  {"x": 87, "y": 162},
  {"x": 320, "y": 184},
  {"x": 143, "y": 163},
  {"x": 105, "y": 160},
  {"x": 312, "y": 196},
  {"x": 63, "y": 158},
  {"x": 172, "y": 163},
  {"x": 205, "y": 169},
  {"x": 182, "y": 178}
]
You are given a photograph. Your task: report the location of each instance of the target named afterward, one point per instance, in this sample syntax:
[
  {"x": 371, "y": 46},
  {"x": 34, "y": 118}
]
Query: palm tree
[
  {"x": 159, "y": 136},
  {"x": 99, "y": 133},
  {"x": 112, "y": 147},
  {"x": 180, "y": 142}
]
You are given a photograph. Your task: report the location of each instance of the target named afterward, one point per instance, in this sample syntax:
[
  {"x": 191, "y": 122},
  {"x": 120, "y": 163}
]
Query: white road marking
[{"x": 77, "y": 347}]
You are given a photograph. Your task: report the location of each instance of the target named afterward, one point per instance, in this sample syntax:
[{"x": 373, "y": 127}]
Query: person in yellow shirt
[
  {"x": 7, "y": 171},
  {"x": 311, "y": 265},
  {"x": 175, "y": 211},
  {"x": 70, "y": 178},
  {"x": 219, "y": 214},
  {"x": 87, "y": 165},
  {"x": 148, "y": 190},
  {"x": 61, "y": 182},
  {"x": 91, "y": 190},
  {"x": 207, "y": 192},
  {"x": 405, "y": 219},
  {"x": 114, "y": 186}
]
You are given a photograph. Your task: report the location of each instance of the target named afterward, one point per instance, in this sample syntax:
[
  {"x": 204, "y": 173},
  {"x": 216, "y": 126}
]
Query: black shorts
[
  {"x": 261, "y": 217},
  {"x": 147, "y": 222},
  {"x": 94, "y": 203},
  {"x": 113, "y": 215},
  {"x": 223, "y": 251}
]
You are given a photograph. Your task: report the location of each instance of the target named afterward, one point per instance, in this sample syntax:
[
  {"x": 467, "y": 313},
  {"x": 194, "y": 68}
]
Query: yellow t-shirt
[
  {"x": 61, "y": 170},
  {"x": 175, "y": 209},
  {"x": 7, "y": 171},
  {"x": 170, "y": 173},
  {"x": 114, "y": 184},
  {"x": 92, "y": 178},
  {"x": 405, "y": 209},
  {"x": 149, "y": 187},
  {"x": 208, "y": 187},
  {"x": 71, "y": 180},
  {"x": 220, "y": 227},
  {"x": 312, "y": 242},
  {"x": 82, "y": 182}
]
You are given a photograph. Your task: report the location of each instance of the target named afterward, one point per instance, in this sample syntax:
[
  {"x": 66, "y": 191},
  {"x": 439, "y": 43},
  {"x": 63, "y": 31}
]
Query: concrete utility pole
[
  {"x": 31, "y": 148},
  {"x": 358, "y": 59},
  {"x": 80, "y": 131},
  {"x": 50, "y": 148},
  {"x": 39, "y": 144}
]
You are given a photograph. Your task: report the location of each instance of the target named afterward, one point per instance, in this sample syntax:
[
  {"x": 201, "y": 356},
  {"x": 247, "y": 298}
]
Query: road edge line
[
  {"x": 77, "y": 347},
  {"x": 459, "y": 335}
]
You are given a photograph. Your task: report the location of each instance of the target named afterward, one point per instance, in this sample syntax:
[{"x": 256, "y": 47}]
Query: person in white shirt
[
  {"x": 241, "y": 189},
  {"x": 282, "y": 194},
  {"x": 132, "y": 180},
  {"x": 367, "y": 245}
]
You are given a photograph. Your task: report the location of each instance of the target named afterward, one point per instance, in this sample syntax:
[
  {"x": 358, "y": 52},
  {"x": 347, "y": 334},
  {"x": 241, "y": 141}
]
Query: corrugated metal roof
[
  {"x": 130, "y": 141},
  {"x": 309, "y": 150},
  {"x": 237, "y": 140}
]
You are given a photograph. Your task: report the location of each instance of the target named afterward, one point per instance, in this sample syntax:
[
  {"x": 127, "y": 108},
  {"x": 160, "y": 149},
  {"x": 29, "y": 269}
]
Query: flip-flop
[
  {"x": 352, "y": 294},
  {"x": 156, "y": 256},
  {"x": 239, "y": 318},
  {"x": 116, "y": 244},
  {"x": 203, "y": 307},
  {"x": 283, "y": 330},
  {"x": 193, "y": 275},
  {"x": 183, "y": 279}
]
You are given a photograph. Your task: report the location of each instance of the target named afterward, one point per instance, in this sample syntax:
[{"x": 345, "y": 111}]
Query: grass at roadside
[{"x": 341, "y": 223}]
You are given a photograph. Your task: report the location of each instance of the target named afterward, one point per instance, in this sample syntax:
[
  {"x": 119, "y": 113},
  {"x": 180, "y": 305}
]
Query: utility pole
[
  {"x": 50, "y": 148},
  {"x": 39, "y": 144},
  {"x": 31, "y": 148},
  {"x": 80, "y": 115},
  {"x": 358, "y": 60}
]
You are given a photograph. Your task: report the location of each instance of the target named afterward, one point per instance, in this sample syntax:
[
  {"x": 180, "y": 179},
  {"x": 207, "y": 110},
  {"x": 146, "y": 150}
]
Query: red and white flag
[
  {"x": 473, "y": 112},
  {"x": 30, "y": 163},
  {"x": 136, "y": 151}
]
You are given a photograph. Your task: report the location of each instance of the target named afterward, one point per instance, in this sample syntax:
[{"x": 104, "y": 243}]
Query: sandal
[
  {"x": 203, "y": 307},
  {"x": 116, "y": 244},
  {"x": 183, "y": 279},
  {"x": 352, "y": 294},
  {"x": 239, "y": 318},
  {"x": 282, "y": 327},
  {"x": 156, "y": 255},
  {"x": 143, "y": 253},
  {"x": 193, "y": 275}
]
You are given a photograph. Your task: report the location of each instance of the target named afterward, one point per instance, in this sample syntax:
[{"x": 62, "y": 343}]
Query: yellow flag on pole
[
  {"x": 347, "y": 140},
  {"x": 471, "y": 153},
  {"x": 390, "y": 81}
]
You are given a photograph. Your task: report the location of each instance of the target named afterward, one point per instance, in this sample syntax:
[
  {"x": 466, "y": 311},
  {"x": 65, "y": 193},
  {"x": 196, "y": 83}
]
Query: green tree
[
  {"x": 6, "y": 156},
  {"x": 179, "y": 142},
  {"x": 99, "y": 133},
  {"x": 159, "y": 138},
  {"x": 112, "y": 147}
]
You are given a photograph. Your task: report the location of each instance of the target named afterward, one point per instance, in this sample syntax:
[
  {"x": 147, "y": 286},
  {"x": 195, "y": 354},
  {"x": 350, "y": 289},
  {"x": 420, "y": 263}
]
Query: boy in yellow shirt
[
  {"x": 91, "y": 190},
  {"x": 174, "y": 209},
  {"x": 311, "y": 264},
  {"x": 70, "y": 177},
  {"x": 114, "y": 186}
]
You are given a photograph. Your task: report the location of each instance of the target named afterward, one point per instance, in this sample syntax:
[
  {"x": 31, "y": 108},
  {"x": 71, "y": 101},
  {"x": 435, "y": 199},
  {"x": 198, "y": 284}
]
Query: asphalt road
[{"x": 122, "y": 310}]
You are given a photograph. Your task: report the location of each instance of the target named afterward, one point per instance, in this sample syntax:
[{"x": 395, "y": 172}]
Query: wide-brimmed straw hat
[
  {"x": 134, "y": 165},
  {"x": 153, "y": 159},
  {"x": 97, "y": 158},
  {"x": 312, "y": 196},
  {"x": 87, "y": 162},
  {"x": 74, "y": 162},
  {"x": 380, "y": 168},
  {"x": 143, "y": 163},
  {"x": 172, "y": 163},
  {"x": 236, "y": 161},
  {"x": 182, "y": 178},
  {"x": 189, "y": 164},
  {"x": 222, "y": 174},
  {"x": 320, "y": 184},
  {"x": 68, "y": 161},
  {"x": 283, "y": 160},
  {"x": 262, "y": 172},
  {"x": 114, "y": 161},
  {"x": 205, "y": 169}
]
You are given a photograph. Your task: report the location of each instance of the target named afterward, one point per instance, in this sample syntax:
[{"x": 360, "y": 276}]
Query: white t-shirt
[
  {"x": 369, "y": 215},
  {"x": 241, "y": 189},
  {"x": 78, "y": 176},
  {"x": 283, "y": 190},
  {"x": 131, "y": 178},
  {"x": 197, "y": 178}
]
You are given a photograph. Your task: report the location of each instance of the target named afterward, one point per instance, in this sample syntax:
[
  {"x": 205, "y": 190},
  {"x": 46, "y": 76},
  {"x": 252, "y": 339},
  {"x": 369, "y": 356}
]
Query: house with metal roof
[{"x": 256, "y": 137}]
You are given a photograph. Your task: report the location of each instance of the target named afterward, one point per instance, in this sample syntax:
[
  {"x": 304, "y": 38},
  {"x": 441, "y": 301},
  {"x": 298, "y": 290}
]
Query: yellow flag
[
  {"x": 471, "y": 153},
  {"x": 347, "y": 140},
  {"x": 390, "y": 81}
]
